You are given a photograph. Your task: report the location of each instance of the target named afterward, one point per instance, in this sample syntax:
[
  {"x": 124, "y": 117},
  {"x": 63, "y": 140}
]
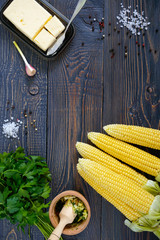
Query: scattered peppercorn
[
  {"x": 101, "y": 25},
  {"x": 111, "y": 50}
]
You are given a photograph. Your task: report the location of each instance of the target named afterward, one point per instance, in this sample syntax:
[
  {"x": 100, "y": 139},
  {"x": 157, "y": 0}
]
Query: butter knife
[{"x": 60, "y": 40}]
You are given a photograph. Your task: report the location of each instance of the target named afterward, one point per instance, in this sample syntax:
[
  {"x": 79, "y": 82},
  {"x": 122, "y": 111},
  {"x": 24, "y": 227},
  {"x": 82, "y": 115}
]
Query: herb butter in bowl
[
  {"x": 80, "y": 206},
  {"x": 36, "y": 22}
]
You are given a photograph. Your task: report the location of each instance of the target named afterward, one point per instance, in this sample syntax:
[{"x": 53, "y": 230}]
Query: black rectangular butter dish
[{"x": 53, "y": 11}]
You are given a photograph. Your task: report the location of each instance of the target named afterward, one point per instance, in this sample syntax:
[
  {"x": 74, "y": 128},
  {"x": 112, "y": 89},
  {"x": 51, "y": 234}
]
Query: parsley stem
[{"x": 45, "y": 228}]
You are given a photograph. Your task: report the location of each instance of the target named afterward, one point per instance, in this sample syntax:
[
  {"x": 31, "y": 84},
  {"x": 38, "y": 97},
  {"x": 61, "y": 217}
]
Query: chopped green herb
[{"x": 78, "y": 207}]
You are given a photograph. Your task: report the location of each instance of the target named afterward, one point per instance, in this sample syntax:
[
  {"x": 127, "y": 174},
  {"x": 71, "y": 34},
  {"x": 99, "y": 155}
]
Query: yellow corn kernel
[
  {"x": 123, "y": 188},
  {"x": 92, "y": 153},
  {"x": 143, "y": 136},
  {"x": 126, "y": 210},
  {"x": 127, "y": 153}
]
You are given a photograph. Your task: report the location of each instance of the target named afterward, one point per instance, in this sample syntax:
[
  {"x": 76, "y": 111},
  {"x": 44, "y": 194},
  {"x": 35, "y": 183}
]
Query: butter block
[
  {"x": 28, "y": 16},
  {"x": 44, "y": 39},
  {"x": 55, "y": 26}
]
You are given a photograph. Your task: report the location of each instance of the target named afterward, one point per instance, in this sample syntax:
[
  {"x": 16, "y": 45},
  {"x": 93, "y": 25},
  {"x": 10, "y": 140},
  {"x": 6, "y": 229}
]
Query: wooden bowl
[{"x": 69, "y": 230}]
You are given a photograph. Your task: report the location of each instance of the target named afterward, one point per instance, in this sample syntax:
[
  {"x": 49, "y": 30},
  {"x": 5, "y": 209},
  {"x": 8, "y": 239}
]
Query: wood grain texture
[
  {"x": 81, "y": 91},
  {"x": 75, "y": 106},
  {"x": 131, "y": 91},
  {"x": 15, "y": 88}
]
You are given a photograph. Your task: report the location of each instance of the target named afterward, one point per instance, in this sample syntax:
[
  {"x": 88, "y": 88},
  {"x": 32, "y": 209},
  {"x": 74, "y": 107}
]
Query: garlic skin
[{"x": 30, "y": 71}]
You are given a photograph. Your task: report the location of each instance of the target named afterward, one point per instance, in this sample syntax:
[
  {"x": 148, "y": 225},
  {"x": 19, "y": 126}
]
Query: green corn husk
[
  {"x": 152, "y": 187},
  {"x": 149, "y": 222}
]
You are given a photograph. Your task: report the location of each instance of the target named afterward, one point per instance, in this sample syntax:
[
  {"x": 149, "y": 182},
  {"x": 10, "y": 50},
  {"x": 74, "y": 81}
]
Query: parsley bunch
[{"x": 24, "y": 185}]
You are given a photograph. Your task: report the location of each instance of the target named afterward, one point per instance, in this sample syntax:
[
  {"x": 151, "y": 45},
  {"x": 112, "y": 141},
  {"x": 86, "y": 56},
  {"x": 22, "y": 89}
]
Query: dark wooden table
[{"x": 81, "y": 91}]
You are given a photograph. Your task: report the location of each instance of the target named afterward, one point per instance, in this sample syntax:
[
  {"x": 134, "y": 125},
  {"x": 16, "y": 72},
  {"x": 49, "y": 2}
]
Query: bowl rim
[{"x": 74, "y": 230}]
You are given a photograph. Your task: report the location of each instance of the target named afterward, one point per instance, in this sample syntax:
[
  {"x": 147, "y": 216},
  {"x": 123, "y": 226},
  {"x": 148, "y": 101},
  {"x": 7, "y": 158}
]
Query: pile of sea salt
[
  {"x": 11, "y": 128},
  {"x": 133, "y": 21}
]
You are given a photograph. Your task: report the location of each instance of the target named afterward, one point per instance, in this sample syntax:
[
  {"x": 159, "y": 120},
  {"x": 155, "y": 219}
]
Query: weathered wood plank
[
  {"x": 16, "y": 87},
  {"x": 127, "y": 98},
  {"x": 75, "y": 100},
  {"x": 75, "y": 106}
]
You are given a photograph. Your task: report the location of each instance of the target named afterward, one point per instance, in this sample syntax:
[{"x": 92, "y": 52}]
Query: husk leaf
[
  {"x": 152, "y": 187},
  {"x": 149, "y": 222}
]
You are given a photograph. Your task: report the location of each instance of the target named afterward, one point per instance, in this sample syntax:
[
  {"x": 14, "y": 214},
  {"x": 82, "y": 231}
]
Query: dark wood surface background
[{"x": 81, "y": 91}]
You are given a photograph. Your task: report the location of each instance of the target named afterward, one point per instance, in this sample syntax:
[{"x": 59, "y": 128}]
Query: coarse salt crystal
[
  {"x": 11, "y": 128},
  {"x": 132, "y": 22}
]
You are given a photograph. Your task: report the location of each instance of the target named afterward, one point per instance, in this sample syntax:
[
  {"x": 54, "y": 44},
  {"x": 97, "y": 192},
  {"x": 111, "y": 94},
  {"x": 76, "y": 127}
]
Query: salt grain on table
[
  {"x": 11, "y": 128},
  {"x": 133, "y": 22}
]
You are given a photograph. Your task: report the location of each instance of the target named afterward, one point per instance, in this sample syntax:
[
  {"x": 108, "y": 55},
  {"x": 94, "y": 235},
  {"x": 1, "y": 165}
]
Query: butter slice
[
  {"x": 28, "y": 16},
  {"x": 55, "y": 26},
  {"x": 44, "y": 39}
]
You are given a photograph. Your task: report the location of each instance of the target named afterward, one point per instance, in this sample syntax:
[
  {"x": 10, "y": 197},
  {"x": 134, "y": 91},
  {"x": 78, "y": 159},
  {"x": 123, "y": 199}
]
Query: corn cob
[
  {"x": 123, "y": 188},
  {"x": 92, "y": 153},
  {"x": 127, "y": 192},
  {"x": 147, "y": 137},
  {"x": 126, "y": 210},
  {"x": 127, "y": 153}
]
